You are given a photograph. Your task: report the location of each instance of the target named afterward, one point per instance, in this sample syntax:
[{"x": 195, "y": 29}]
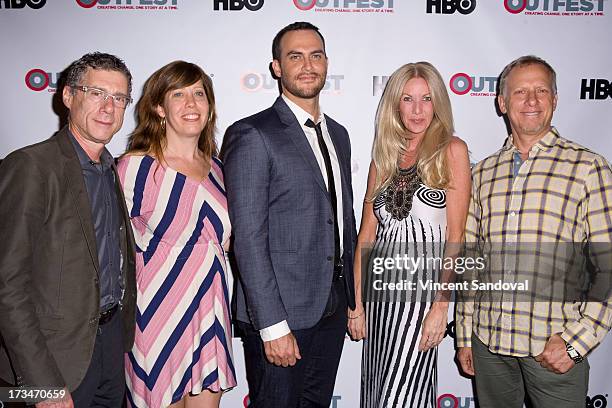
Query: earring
[{"x": 162, "y": 122}]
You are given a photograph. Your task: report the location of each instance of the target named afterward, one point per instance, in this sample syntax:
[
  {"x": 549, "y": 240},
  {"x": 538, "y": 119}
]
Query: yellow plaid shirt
[{"x": 561, "y": 193}]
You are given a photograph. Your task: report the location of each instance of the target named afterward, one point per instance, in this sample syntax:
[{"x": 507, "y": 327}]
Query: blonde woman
[{"x": 417, "y": 199}]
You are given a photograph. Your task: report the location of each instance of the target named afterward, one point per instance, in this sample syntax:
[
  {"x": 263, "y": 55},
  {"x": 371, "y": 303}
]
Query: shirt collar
[
  {"x": 106, "y": 159},
  {"x": 300, "y": 114},
  {"x": 546, "y": 143}
]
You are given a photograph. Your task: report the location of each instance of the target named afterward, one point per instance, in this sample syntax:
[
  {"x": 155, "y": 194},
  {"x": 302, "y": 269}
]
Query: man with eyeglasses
[{"x": 67, "y": 285}]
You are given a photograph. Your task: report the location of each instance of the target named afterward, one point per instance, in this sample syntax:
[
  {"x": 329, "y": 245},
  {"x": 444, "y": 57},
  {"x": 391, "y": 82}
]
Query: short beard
[{"x": 307, "y": 93}]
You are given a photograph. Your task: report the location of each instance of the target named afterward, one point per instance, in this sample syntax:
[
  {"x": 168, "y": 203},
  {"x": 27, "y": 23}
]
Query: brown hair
[{"x": 149, "y": 135}]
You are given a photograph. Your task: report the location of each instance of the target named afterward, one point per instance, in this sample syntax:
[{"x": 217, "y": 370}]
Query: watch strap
[{"x": 573, "y": 353}]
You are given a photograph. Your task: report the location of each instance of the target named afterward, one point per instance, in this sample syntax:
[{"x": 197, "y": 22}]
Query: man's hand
[
  {"x": 554, "y": 357},
  {"x": 434, "y": 326},
  {"x": 65, "y": 402},
  {"x": 283, "y": 351},
  {"x": 464, "y": 355}
]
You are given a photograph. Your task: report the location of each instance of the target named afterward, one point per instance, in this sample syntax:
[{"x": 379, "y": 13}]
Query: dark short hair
[
  {"x": 299, "y": 25},
  {"x": 96, "y": 60},
  {"x": 524, "y": 61}
]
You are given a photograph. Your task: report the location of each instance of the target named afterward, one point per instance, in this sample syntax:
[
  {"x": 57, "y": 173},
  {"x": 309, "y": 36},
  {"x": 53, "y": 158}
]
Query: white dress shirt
[{"x": 280, "y": 329}]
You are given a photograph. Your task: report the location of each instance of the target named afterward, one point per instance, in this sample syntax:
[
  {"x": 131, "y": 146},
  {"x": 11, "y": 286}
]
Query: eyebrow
[
  {"x": 294, "y": 52},
  {"x": 106, "y": 90}
]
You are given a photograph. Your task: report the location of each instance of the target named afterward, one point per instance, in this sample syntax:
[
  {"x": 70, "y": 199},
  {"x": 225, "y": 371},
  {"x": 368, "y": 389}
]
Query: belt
[
  {"x": 106, "y": 316},
  {"x": 338, "y": 271}
]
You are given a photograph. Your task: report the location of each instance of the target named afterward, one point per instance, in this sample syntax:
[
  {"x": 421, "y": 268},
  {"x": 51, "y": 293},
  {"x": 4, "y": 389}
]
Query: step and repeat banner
[{"x": 469, "y": 41}]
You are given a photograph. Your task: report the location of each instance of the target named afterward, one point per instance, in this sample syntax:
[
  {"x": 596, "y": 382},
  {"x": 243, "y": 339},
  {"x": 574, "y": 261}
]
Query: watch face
[{"x": 574, "y": 355}]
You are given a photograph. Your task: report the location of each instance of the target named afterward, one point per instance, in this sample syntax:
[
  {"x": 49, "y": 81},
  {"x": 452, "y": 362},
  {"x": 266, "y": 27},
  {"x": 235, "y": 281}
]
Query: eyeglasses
[{"x": 97, "y": 95}]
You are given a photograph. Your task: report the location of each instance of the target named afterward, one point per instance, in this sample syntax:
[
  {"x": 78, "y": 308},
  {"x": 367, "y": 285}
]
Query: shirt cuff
[
  {"x": 463, "y": 331},
  {"x": 276, "y": 331},
  {"x": 579, "y": 338}
]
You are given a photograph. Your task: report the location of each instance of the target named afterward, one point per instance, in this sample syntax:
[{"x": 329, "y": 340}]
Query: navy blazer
[{"x": 281, "y": 213}]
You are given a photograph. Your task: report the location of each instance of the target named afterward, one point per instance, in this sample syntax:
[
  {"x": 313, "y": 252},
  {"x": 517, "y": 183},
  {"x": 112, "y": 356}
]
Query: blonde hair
[{"x": 390, "y": 138}]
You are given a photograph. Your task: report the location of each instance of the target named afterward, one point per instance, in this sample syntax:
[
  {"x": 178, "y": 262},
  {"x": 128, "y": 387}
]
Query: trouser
[
  {"x": 104, "y": 383},
  {"x": 310, "y": 382},
  {"x": 502, "y": 381}
]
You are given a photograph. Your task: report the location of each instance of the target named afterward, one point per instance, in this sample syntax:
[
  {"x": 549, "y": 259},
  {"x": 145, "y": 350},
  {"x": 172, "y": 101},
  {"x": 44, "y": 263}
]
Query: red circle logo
[
  {"x": 87, "y": 3},
  {"x": 304, "y": 5},
  {"x": 511, "y": 8},
  {"x": 463, "y": 89},
  {"x": 36, "y": 79},
  {"x": 445, "y": 399}
]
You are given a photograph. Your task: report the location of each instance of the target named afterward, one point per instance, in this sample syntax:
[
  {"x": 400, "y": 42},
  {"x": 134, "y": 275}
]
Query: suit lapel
[
  {"x": 76, "y": 186},
  {"x": 294, "y": 131},
  {"x": 342, "y": 159}
]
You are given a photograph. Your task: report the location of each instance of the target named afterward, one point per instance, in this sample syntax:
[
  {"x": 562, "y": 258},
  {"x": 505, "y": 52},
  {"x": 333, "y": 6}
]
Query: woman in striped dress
[
  {"x": 416, "y": 200},
  {"x": 174, "y": 190}
]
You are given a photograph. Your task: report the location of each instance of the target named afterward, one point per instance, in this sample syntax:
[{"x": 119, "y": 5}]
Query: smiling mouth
[{"x": 191, "y": 117}]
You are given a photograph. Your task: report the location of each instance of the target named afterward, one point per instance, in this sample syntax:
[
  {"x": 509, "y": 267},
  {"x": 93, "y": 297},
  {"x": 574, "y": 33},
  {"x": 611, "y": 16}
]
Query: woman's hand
[
  {"x": 357, "y": 323},
  {"x": 434, "y": 326}
]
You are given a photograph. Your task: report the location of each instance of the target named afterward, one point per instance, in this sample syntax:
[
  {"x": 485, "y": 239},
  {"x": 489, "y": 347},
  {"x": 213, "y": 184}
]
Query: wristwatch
[{"x": 573, "y": 353}]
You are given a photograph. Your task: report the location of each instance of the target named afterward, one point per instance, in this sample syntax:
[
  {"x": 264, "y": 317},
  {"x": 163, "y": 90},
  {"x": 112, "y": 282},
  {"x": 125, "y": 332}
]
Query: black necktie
[{"x": 331, "y": 186}]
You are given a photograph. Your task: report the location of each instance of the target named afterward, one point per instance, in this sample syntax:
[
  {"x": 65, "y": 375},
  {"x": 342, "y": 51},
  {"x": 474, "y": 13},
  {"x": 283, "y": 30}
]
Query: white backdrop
[{"x": 366, "y": 41}]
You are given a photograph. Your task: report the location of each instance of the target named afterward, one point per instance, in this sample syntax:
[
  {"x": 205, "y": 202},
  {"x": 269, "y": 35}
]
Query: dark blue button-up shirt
[{"x": 100, "y": 183}]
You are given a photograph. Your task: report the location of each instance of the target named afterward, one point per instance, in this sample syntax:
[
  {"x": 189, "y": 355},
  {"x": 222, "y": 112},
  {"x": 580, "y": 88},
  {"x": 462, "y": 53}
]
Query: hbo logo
[
  {"x": 598, "y": 401},
  {"x": 237, "y": 5},
  {"x": 595, "y": 89},
  {"x": 19, "y": 4},
  {"x": 450, "y": 6}
]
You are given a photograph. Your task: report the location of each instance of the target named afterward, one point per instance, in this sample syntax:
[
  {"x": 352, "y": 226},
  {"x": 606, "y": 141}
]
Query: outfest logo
[
  {"x": 345, "y": 6},
  {"x": 129, "y": 4},
  {"x": 556, "y": 7},
  {"x": 260, "y": 82},
  {"x": 462, "y": 84},
  {"x": 38, "y": 80},
  {"x": 452, "y": 401}
]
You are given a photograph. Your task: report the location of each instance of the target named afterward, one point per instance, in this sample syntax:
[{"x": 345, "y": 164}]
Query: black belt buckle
[
  {"x": 338, "y": 270},
  {"x": 106, "y": 316}
]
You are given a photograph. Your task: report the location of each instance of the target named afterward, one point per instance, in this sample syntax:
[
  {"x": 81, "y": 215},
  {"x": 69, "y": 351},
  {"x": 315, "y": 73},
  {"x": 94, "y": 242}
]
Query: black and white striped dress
[{"x": 411, "y": 219}]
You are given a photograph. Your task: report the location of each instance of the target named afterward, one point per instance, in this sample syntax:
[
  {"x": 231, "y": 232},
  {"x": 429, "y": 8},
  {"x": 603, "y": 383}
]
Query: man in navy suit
[{"x": 288, "y": 180}]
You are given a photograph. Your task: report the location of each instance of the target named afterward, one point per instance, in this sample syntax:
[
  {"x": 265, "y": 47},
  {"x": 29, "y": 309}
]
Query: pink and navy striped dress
[{"x": 183, "y": 334}]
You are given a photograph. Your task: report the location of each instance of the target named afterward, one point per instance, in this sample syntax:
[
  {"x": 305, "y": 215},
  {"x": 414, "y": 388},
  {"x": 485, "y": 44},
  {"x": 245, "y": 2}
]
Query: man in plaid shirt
[{"x": 539, "y": 189}]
